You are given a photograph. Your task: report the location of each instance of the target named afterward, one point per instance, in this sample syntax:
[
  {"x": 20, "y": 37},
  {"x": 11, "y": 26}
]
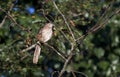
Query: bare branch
[
  {"x": 24, "y": 57},
  {"x": 54, "y": 73},
  {"x": 64, "y": 20},
  {"x": 64, "y": 35},
  {"x": 104, "y": 16},
  {"x": 33, "y": 46},
  {"x": 99, "y": 25},
  {"x": 65, "y": 65},
  {"x": 80, "y": 73},
  {"x": 45, "y": 15},
  {"x": 55, "y": 50},
  {"x": 73, "y": 74},
  {"x": 10, "y": 16},
  {"x": 93, "y": 29},
  {"x": 67, "y": 60},
  {"x": 27, "y": 49},
  {"x": 3, "y": 21}
]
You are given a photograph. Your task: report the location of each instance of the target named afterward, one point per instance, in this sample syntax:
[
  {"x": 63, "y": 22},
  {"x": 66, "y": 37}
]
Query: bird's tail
[{"x": 36, "y": 53}]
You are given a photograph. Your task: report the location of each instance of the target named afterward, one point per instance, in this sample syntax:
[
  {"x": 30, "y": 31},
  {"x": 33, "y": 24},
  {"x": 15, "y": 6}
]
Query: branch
[
  {"x": 64, "y": 20},
  {"x": 99, "y": 25},
  {"x": 67, "y": 60},
  {"x": 55, "y": 50},
  {"x": 64, "y": 35},
  {"x": 24, "y": 57},
  {"x": 3, "y": 21},
  {"x": 104, "y": 18},
  {"x": 93, "y": 29},
  {"x": 80, "y": 73},
  {"x": 27, "y": 49},
  {"x": 43, "y": 11},
  {"x": 10, "y": 16},
  {"x": 32, "y": 46},
  {"x": 65, "y": 65}
]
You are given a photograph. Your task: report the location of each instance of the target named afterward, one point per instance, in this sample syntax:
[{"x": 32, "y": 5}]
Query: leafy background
[{"x": 99, "y": 52}]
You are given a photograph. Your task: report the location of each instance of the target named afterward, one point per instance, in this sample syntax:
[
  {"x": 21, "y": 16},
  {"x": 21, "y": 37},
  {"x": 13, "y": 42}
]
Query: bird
[{"x": 43, "y": 36}]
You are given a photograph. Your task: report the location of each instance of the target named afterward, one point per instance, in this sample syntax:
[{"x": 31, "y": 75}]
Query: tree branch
[
  {"x": 55, "y": 50},
  {"x": 3, "y": 21},
  {"x": 91, "y": 30},
  {"x": 98, "y": 26},
  {"x": 33, "y": 46},
  {"x": 67, "y": 60},
  {"x": 64, "y": 20},
  {"x": 10, "y": 16},
  {"x": 27, "y": 49}
]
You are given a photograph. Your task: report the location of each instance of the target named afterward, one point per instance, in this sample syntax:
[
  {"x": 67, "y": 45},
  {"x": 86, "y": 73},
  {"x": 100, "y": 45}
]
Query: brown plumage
[{"x": 43, "y": 36}]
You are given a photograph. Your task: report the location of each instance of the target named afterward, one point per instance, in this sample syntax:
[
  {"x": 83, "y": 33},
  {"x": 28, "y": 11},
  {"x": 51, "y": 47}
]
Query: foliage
[{"x": 97, "y": 56}]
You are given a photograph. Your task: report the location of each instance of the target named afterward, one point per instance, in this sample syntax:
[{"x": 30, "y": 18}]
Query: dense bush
[{"x": 95, "y": 56}]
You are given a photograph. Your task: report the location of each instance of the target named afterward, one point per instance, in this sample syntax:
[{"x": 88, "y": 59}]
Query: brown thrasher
[{"x": 43, "y": 36}]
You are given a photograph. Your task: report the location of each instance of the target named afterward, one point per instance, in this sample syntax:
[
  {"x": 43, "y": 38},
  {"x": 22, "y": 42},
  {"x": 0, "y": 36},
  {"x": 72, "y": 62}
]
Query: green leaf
[
  {"x": 103, "y": 65},
  {"x": 113, "y": 58},
  {"x": 99, "y": 52}
]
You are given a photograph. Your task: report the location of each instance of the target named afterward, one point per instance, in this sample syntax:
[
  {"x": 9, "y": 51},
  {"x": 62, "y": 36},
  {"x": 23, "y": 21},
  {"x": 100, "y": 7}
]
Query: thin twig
[
  {"x": 32, "y": 46},
  {"x": 90, "y": 31},
  {"x": 65, "y": 65},
  {"x": 73, "y": 74},
  {"x": 45, "y": 15},
  {"x": 24, "y": 57},
  {"x": 100, "y": 25},
  {"x": 103, "y": 17},
  {"x": 55, "y": 50},
  {"x": 105, "y": 21},
  {"x": 64, "y": 20},
  {"x": 27, "y": 49},
  {"x": 52, "y": 74},
  {"x": 81, "y": 73},
  {"x": 3, "y": 21},
  {"x": 93, "y": 29},
  {"x": 67, "y": 60},
  {"x": 10, "y": 16},
  {"x": 64, "y": 35}
]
